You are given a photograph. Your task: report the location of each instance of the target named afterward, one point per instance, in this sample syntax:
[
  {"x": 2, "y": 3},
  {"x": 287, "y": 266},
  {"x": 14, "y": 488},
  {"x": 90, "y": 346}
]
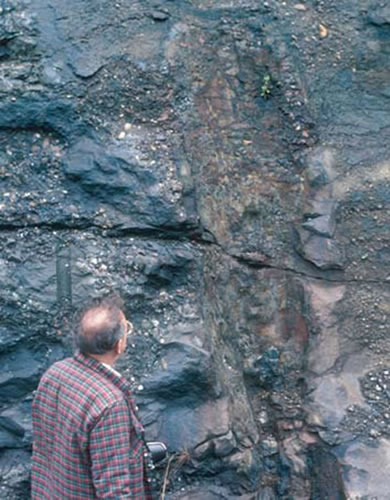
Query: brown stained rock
[
  {"x": 295, "y": 328},
  {"x": 323, "y": 297},
  {"x": 325, "y": 346},
  {"x": 324, "y": 350},
  {"x": 294, "y": 450},
  {"x": 308, "y": 437},
  {"x": 216, "y": 102},
  {"x": 292, "y": 321}
]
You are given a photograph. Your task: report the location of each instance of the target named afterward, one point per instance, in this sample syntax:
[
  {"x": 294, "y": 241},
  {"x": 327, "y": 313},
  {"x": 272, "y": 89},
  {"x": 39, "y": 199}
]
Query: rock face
[{"x": 225, "y": 166}]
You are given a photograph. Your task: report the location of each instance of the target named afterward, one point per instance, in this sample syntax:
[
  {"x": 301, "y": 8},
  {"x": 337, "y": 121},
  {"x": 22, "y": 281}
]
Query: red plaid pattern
[{"x": 88, "y": 441}]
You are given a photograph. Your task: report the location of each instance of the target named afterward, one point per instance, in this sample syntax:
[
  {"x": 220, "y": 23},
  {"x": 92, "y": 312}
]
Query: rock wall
[{"x": 224, "y": 166}]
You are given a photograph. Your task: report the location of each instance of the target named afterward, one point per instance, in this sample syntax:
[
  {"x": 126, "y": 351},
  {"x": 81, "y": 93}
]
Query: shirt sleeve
[{"x": 117, "y": 472}]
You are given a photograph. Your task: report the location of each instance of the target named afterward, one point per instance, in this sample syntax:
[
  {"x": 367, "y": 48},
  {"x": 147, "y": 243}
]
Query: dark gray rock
[
  {"x": 185, "y": 427},
  {"x": 324, "y": 225},
  {"x": 185, "y": 371},
  {"x": 265, "y": 370},
  {"x": 224, "y": 445},
  {"x": 200, "y": 493},
  {"x": 320, "y": 205},
  {"x": 9, "y": 438},
  {"x": 220, "y": 493},
  {"x": 379, "y": 15},
  {"x": 326, "y": 474},
  {"x": 118, "y": 180},
  {"x": 30, "y": 112},
  {"x": 15, "y": 474},
  {"x": 112, "y": 179},
  {"x": 17, "y": 421},
  {"x": 320, "y": 167},
  {"x": 324, "y": 253},
  {"x": 20, "y": 375},
  {"x": 266, "y": 494},
  {"x": 159, "y": 15},
  {"x": 86, "y": 65},
  {"x": 89, "y": 165}
]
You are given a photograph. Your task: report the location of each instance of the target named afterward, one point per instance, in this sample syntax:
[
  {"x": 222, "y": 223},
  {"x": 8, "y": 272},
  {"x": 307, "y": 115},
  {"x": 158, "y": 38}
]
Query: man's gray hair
[{"x": 99, "y": 326}]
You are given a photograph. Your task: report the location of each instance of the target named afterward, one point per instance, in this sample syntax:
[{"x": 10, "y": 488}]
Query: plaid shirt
[{"x": 88, "y": 441}]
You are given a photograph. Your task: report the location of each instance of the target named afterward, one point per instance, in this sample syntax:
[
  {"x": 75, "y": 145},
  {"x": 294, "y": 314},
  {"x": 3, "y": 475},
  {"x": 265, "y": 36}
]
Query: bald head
[{"x": 100, "y": 328}]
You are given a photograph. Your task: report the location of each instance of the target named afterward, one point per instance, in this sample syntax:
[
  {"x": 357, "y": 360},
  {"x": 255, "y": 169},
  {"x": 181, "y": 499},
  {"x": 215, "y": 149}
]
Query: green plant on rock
[{"x": 266, "y": 87}]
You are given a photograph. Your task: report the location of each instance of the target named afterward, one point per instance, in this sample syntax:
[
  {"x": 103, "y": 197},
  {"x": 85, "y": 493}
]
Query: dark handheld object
[{"x": 157, "y": 450}]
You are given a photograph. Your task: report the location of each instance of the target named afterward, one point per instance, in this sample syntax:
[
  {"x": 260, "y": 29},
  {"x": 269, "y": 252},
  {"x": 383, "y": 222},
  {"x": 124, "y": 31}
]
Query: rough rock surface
[{"x": 225, "y": 166}]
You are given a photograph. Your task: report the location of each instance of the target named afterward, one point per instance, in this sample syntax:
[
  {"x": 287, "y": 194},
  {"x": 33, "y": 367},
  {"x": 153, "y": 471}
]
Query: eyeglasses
[{"x": 130, "y": 328}]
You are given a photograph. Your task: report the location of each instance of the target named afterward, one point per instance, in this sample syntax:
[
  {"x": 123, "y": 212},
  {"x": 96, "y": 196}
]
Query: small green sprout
[{"x": 266, "y": 87}]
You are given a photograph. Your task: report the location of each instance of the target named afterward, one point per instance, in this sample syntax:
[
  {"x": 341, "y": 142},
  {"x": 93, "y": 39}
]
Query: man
[{"x": 88, "y": 441}]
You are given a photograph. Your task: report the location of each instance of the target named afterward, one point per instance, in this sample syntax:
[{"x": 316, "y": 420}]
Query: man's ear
[
  {"x": 118, "y": 347},
  {"x": 121, "y": 345}
]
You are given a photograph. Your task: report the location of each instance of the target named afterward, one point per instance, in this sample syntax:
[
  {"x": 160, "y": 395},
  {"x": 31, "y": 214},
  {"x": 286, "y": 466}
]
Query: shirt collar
[
  {"x": 111, "y": 368},
  {"x": 104, "y": 369}
]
